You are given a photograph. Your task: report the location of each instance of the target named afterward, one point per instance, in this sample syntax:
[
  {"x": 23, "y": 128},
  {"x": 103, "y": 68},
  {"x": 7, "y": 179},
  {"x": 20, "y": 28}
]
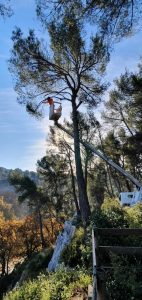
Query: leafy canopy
[
  {"x": 113, "y": 19},
  {"x": 63, "y": 69}
]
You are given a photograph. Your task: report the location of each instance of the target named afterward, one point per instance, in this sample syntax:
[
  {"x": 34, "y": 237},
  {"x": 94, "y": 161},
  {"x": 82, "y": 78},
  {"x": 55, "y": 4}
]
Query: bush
[
  {"x": 110, "y": 215},
  {"x": 134, "y": 215},
  {"x": 28, "y": 269},
  {"x": 78, "y": 253},
  {"x": 124, "y": 281},
  {"x": 33, "y": 290},
  {"x": 61, "y": 285}
]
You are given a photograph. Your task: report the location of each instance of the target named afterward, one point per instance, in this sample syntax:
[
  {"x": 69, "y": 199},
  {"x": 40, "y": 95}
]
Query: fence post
[{"x": 98, "y": 280}]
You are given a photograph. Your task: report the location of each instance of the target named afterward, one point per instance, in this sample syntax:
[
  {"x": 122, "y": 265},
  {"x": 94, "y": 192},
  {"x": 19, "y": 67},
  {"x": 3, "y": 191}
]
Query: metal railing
[{"x": 98, "y": 269}]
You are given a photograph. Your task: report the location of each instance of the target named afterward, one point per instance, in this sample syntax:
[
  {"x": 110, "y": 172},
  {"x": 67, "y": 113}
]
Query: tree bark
[
  {"x": 86, "y": 169},
  {"x": 73, "y": 188},
  {"x": 3, "y": 263},
  {"x": 7, "y": 264},
  {"x": 41, "y": 228},
  {"x": 83, "y": 199}
]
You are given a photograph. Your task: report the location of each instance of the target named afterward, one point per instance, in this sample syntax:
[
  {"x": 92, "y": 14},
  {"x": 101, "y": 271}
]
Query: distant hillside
[
  {"x": 8, "y": 190},
  {"x": 4, "y": 173}
]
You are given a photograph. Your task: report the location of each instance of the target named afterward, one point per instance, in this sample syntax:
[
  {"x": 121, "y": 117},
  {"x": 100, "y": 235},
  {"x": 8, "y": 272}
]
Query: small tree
[
  {"x": 6, "y": 209},
  {"x": 53, "y": 170},
  {"x": 28, "y": 191},
  {"x": 124, "y": 112},
  {"x": 9, "y": 246},
  {"x": 29, "y": 236}
]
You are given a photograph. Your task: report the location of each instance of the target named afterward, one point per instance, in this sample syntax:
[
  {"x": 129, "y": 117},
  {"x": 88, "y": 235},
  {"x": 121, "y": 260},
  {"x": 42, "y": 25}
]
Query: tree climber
[{"x": 54, "y": 114}]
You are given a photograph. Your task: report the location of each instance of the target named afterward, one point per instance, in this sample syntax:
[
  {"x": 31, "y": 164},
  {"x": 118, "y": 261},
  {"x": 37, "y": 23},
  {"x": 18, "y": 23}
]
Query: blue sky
[{"x": 22, "y": 138}]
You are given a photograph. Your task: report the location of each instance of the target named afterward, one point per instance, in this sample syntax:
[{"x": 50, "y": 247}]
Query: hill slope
[{"x": 9, "y": 193}]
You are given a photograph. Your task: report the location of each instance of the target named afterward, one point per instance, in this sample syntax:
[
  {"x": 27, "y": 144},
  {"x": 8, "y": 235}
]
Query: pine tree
[
  {"x": 29, "y": 192},
  {"x": 124, "y": 112},
  {"x": 70, "y": 71}
]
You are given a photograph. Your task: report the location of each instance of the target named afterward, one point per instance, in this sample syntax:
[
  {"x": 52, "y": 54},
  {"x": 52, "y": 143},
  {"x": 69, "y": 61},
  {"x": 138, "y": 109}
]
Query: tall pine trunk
[
  {"x": 83, "y": 199},
  {"x": 86, "y": 169},
  {"x": 73, "y": 188}
]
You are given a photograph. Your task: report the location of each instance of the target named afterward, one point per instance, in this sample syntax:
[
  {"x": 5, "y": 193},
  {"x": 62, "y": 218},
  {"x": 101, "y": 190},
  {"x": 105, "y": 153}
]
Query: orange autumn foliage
[
  {"x": 8, "y": 243},
  {"x": 21, "y": 238}
]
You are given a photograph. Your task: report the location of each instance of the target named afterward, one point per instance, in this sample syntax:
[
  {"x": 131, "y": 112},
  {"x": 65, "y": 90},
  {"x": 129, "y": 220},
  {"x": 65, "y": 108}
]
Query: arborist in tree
[{"x": 54, "y": 114}]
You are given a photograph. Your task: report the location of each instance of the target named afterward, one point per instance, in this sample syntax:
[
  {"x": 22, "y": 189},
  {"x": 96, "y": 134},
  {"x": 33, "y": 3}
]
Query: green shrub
[
  {"x": 31, "y": 268},
  {"x": 79, "y": 252},
  {"x": 60, "y": 285},
  {"x": 110, "y": 215},
  {"x": 32, "y": 290},
  {"x": 134, "y": 215},
  {"x": 124, "y": 281},
  {"x": 72, "y": 254}
]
